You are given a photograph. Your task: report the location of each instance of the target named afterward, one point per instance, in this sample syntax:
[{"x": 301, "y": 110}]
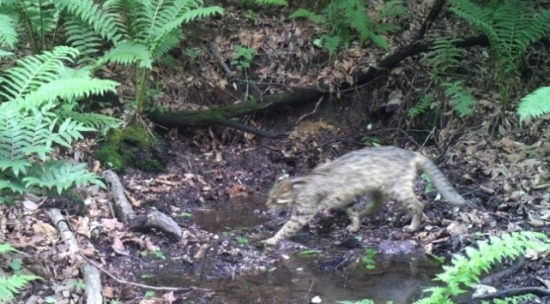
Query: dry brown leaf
[
  {"x": 46, "y": 230},
  {"x": 118, "y": 245},
  {"x": 112, "y": 224},
  {"x": 82, "y": 225}
]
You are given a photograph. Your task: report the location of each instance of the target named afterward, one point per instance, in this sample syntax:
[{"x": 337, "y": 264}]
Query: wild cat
[{"x": 384, "y": 173}]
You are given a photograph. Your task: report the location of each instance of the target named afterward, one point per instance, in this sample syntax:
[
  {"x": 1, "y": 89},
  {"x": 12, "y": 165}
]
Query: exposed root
[
  {"x": 125, "y": 213},
  {"x": 89, "y": 272}
]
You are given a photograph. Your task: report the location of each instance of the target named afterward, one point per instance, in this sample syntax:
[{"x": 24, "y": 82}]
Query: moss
[
  {"x": 133, "y": 146},
  {"x": 110, "y": 157}
]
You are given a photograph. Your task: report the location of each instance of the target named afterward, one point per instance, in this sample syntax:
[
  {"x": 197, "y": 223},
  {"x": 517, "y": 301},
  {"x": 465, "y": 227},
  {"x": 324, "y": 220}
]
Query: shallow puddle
[
  {"x": 299, "y": 279},
  {"x": 235, "y": 214}
]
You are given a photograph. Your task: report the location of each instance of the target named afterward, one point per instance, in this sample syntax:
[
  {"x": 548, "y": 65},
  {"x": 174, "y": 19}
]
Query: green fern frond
[
  {"x": 41, "y": 19},
  {"x": 102, "y": 123},
  {"x": 60, "y": 175},
  {"x": 304, "y": 13},
  {"x": 272, "y": 2},
  {"x": 10, "y": 286},
  {"x": 466, "y": 269},
  {"x": 475, "y": 15},
  {"x": 169, "y": 42},
  {"x": 32, "y": 72},
  {"x": 421, "y": 107},
  {"x": 82, "y": 37},
  {"x": 22, "y": 136},
  {"x": 174, "y": 24},
  {"x": 330, "y": 43},
  {"x": 68, "y": 89},
  {"x": 358, "y": 19},
  {"x": 127, "y": 52},
  {"x": 444, "y": 57},
  {"x": 5, "y": 54},
  {"x": 393, "y": 8},
  {"x": 8, "y": 34},
  {"x": 510, "y": 25},
  {"x": 198, "y": 13},
  {"x": 535, "y": 104},
  {"x": 462, "y": 100},
  {"x": 4, "y": 247},
  {"x": 103, "y": 22}
]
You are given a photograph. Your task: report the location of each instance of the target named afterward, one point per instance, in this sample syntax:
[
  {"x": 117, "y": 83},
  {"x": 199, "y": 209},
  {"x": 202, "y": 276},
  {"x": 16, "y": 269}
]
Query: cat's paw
[
  {"x": 410, "y": 228},
  {"x": 352, "y": 228}
]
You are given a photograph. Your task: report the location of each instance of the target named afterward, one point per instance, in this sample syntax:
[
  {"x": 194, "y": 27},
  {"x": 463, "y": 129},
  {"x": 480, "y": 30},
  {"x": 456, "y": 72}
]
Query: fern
[
  {"x": 40, "y": 19},
  {"x": 34, "y": 71},
  {"x": 60, "y": 175},
  {"x": 535, "y": 104},
  {"x": 10, "y": 286},
  {"x": 304, "y": 13},
  {"x": 104, "y": 23},
  {"x": 68, "y": 89},
  {"x": 30, "y": 125},
  {"x": 330, "y": 43},
  {"x": 421, "y": 107},
  {"x": 128, "y": 52},
  {"x": 346, "y": 18},
  {"x": 272, "y": 2},
  {"x": 466, "y": 269},
  {"x": 510, "y": 25},
  {"x": 462, "y": 100},
  {"x": 102, "y": 123},
  {"x": 82, "y": 37},
  {"x": 8, "y": 35},
  {"x": 444, "y": 57}
]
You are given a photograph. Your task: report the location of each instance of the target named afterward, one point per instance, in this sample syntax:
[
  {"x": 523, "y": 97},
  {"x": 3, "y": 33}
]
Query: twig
[
  {"x": 314, "y": 110},
  {"x": 158, "y": 288},
  {"x": 214, "y": 50},
  {"x": 538, "y": 291}
]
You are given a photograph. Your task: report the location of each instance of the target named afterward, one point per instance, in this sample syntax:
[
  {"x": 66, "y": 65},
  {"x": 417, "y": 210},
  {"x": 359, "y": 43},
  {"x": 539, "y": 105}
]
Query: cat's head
[{"x": 283, "y": 192}]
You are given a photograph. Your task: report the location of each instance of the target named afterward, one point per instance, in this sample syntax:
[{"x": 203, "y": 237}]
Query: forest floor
[{"x": 216, "y": 181}]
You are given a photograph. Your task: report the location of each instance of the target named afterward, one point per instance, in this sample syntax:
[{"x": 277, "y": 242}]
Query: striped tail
[{"x": 440, "y": 181}]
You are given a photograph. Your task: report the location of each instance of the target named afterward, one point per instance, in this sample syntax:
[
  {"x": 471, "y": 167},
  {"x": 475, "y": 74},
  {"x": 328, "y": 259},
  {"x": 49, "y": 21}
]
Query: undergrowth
[
  {"x": 465, "y": 270},
  {"x": 10, "y": 286}
]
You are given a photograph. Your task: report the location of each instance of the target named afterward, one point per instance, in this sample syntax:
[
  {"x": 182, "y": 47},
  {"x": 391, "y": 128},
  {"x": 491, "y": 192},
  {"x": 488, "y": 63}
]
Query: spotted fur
[{"x": 384, "y": 173}]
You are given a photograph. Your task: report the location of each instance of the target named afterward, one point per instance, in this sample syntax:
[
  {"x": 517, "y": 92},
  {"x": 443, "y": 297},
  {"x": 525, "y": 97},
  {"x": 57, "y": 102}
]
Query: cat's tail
[{"x": 440, "y": 181}]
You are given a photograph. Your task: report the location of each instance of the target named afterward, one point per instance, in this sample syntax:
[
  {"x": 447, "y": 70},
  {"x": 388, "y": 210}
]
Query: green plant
[
  {"x": 241, "y": 240},
  {"x": 39, "y": 18},
  {"x": 32, "y": 92},
  {"x": 76, "y": 285},
  {"x": 309, "y": 252},
  {"x": 510, "y": 25},
  {"x": 466, "y": 269},
  {"x": 445, "y": 57},
  {"x": 535, "y": 104},
  {"x": 8, "y": 34},
  {"x": 141, "y": 32},
  {"x": 369, "y": 258},
  {"x": 10, "y": 286},
  {"x": 346, "y": 18},
  {"x": 421, "y": 107},
  {"x": 243, "y": 57}
]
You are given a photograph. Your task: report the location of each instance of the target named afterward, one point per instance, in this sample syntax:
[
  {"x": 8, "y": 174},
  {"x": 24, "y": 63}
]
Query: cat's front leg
[{"x": 296, "y": 222}]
